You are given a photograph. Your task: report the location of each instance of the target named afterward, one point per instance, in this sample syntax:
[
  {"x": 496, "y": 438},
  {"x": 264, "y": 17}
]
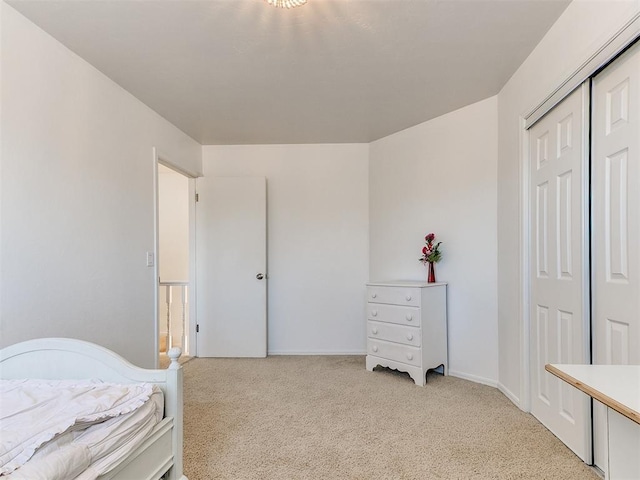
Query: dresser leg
[
  {"x": 370, "y": 363},
  {"x": 418, "y": 377}
]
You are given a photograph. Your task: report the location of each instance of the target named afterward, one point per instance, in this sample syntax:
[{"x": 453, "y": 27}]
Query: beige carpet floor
[{"x": 328, "y": 418}]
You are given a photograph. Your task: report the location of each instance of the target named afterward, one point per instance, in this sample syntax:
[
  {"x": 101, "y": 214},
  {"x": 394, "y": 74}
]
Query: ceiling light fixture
[{"x": 286, "y": 3}]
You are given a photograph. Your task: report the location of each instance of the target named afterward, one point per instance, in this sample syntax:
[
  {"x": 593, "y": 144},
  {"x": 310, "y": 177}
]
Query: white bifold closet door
[
  {"x": 559, "y": 242},
  {"x": 615, "y": 206}
]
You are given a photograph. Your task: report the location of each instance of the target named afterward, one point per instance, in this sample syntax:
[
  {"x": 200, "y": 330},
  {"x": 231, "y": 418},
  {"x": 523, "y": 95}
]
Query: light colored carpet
[{"x": 328, "y": 418}]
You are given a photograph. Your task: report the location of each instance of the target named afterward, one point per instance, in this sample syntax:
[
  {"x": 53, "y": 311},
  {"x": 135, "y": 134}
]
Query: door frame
[
  {"x": 600, "y": 57},
  {"x": 160, "y": 159}
]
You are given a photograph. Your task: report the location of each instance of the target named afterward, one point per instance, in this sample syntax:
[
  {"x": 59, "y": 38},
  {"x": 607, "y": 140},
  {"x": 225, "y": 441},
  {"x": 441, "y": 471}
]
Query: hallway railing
[{"x": 180, "y": 290}]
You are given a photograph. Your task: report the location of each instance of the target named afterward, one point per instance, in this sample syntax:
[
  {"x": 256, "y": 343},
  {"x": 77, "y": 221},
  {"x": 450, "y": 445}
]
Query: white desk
[{"x": 617, "y": 387}]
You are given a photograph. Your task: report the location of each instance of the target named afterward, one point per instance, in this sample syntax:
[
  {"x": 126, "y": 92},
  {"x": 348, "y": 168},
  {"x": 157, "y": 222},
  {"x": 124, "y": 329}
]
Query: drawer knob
[
  {"x": 374, "y": 295},
  {"x": 374, "y": 313},
  {"x": 409, "y": 317},
  {"x": 409, "y": 356},
  {"x": 375, "y": 348},
  {"x": 408, "y": 297},
  {"x": 374, "y": 331},
  {"x": 409, "y": 336}
]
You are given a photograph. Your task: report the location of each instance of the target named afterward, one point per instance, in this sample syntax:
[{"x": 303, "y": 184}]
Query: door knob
[{"x": 260, "y": 276}]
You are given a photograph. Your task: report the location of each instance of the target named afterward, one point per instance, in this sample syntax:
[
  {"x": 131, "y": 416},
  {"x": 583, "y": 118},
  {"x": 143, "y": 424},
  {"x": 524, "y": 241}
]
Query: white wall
[
  {"x": 77, "y": 204},
  {"x": 582, "y": 28},
  {"x": 317, "y": 215},
  {"x": 440, "y": 176}
]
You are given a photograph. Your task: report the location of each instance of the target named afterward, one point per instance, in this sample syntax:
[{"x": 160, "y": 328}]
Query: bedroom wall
[
  {"x": 583, "y": 27},
  {"x": 317, "y": 216},
  {"x": 440, "y": 176},
  {"x": 76, "y": 197}
]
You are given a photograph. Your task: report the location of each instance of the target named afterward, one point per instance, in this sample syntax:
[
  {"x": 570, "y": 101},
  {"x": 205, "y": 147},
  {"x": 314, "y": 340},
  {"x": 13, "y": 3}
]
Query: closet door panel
[
  {"x": 616, "y": 221},
  {"x": 559, "y": 332}
]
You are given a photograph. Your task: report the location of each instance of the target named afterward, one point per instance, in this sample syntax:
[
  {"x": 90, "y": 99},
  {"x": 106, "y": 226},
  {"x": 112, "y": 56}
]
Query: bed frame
[{"x": 160, "y": 456}]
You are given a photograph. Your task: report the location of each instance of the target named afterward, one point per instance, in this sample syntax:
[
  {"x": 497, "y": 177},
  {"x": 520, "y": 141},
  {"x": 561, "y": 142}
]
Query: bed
[{"x": 159, "y": 455}]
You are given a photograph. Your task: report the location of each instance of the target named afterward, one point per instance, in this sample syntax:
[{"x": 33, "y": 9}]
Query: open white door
[
  {"x": 231, "y": 258},
  {"x": 616, "y": 222},
  {"x": 559, "y": 319}
]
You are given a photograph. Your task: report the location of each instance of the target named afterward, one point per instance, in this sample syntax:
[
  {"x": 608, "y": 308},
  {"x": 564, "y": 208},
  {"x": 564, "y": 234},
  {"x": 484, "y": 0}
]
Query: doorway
[{"x": 173, "y": 262}]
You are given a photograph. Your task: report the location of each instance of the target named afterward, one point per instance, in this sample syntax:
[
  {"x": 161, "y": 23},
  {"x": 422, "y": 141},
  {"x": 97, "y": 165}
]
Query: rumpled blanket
[{"x": 33, "y": 412}]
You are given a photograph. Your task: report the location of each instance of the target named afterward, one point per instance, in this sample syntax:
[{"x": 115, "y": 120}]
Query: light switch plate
[{"x": 150, "y": 259}]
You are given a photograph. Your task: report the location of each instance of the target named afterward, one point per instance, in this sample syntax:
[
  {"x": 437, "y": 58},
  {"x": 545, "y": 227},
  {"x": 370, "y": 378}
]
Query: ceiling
[{"x": 332, "y": 71}]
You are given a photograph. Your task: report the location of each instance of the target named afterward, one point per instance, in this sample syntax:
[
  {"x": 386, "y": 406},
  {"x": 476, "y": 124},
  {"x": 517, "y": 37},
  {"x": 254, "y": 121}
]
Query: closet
[{"x": 584, "y": 217}]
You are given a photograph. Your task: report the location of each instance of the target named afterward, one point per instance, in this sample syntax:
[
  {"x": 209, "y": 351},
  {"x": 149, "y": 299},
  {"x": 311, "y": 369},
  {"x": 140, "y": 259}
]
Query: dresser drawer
[
  {"x": 395, "y": 351},
  {"x": 394, "y": 333},
  {"x": 394, "y": 295},
  {"x": 393, "y": 314}
]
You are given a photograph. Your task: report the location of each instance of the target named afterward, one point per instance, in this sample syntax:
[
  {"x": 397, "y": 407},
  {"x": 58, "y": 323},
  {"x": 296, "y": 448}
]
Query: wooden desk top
[{"x": 616, "y": 386}]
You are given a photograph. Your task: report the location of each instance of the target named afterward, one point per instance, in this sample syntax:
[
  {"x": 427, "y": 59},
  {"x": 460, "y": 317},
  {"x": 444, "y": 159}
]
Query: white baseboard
[
  {"x": 509, "y": 394},
  {"x": 474, "y": 378},
  {"x": 316, "y": 352}
]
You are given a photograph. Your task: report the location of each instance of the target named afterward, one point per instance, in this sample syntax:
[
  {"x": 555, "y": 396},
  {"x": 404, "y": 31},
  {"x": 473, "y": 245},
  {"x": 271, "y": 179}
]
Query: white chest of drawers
[{"x": 407, "y": 327}]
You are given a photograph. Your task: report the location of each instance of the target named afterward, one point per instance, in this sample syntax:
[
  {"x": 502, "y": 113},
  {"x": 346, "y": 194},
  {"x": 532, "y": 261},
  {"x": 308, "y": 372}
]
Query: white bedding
[{"x": 71, "y": 429}]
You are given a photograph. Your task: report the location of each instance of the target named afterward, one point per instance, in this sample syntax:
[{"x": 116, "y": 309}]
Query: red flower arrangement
[{"x": 431, "y": 252}]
